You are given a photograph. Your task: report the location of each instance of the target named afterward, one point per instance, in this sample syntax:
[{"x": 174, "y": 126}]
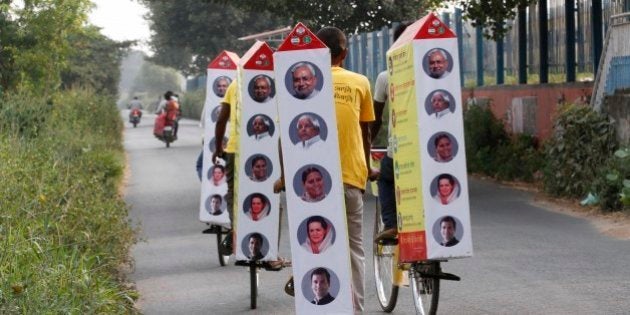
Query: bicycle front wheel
[
  {"x": 384, "y": 265},
  {"x": 425, "y": 287},
  {"x": 221, "y": 235}
]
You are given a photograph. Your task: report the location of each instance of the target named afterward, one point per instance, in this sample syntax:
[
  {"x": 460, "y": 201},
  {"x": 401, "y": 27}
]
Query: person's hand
[
  {"x": 373, "y": 174},
  {"x": 278, "y": 185},
  {"x": 217, "y": 154}
]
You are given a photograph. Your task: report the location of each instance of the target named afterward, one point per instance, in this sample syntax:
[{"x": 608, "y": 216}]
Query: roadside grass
[{"x": 64, "y": 230}]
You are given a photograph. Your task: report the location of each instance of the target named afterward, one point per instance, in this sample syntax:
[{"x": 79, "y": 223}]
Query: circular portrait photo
[
  {"x": 258, "y": 167},
  {"x": 214, "y": 115},
  {"x": 255, "y": 246},
  {"x": 215, "y": 204},
  {"x": 212, "y": 144},
  {"x": 261, "y": 88},
  {"x": 445, "y": 189},
  {"x": 439, "y": 103},
  {"x": 312, "y": 183},
  {"x": 256, "y": 206},
  {"x": 320, "y": 286},
  {"x": 308, "y": 130},
  {"x": 442, "y": 147},
  {"x": 448, "y": 231},
  {"x": 304, "y": 80},
  {"x": 260, "y": 127},
  {"x": 220, "y": 85},
  {"x": 316, "y": 234},
  {"x": 216, "y": 175},
  {"x": 437, "y": 63}
]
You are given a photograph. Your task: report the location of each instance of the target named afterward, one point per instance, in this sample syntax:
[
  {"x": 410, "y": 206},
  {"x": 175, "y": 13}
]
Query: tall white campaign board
[
  {"x": 257, "y": 210},
  {"x": 315, "y": 156},
  {"x": 429, "y": 154},
  {"x": 212, "y": 204}
]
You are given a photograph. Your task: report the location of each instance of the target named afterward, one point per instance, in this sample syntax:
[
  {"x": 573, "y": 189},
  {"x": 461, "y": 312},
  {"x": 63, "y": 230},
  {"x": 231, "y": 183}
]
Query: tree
[
  {"x": 187, "y": 34},
  {"x": 94, "y": 61}
]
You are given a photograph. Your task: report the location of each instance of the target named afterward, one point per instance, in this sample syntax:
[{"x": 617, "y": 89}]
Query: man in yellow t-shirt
[
  {"x": 229, "y": 111},
  {"x": 354, "y": 111}
]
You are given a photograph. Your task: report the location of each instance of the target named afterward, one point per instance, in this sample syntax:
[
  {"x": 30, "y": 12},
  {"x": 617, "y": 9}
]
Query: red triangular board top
[
  {"x": 259, "y": 57},
  {"x": 301, "y": 38},
  {"x": 428, "y": 27},
  {"x": 225, "y": 60}
]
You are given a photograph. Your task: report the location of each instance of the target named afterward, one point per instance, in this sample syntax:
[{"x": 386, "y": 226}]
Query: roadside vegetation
[
  {"x": 64, "y": 231},
  {"x": 582, "y": 159}
]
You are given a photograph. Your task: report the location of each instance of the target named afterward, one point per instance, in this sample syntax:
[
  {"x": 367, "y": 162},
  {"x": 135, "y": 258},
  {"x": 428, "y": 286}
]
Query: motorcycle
[
  {"x": 164, "y": 129},
  {"x": 134, "y": 117}
]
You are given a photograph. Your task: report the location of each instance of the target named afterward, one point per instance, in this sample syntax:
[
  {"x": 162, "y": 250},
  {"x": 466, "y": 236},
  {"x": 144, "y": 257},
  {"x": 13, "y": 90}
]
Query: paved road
[{"x": 527, "y": 260}]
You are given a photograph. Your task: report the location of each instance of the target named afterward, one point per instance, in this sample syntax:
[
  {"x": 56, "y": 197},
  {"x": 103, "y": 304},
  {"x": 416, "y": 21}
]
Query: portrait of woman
[
  {"x": 256, "y": 206},
  {"x": 320, "y": 234},
  {"x": 442, "y": 147},
  {"x": 216, "y": 175},
  {"x": 447, "y": 189},
  {"x": 313, "y": 183}
]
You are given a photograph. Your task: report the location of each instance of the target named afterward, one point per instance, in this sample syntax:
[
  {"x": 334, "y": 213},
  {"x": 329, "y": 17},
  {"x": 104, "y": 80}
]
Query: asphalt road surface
[{"x": 527, "y": 260}]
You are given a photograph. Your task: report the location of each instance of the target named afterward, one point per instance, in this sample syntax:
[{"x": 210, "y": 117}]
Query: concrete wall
[
  {"x": 618, "y": 108},
  {"x": 521, "y": 106}
]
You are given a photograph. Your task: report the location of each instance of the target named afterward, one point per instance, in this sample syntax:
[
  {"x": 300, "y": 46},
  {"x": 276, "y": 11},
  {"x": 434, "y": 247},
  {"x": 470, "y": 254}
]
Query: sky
[{"x": 122, "y": 20}]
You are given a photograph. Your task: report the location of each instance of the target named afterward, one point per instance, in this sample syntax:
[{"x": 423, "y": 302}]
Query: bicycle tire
[
  {"x": 383, "y": 256},
  {"x": 223, "y": 259},
  {"x": 425, "y": 290},
  {"x": 253, "y": 283}
]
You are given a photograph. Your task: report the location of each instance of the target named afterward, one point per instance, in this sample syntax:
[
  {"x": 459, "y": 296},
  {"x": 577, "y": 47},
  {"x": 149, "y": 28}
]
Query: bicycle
[
  {"x": 389, "y": 275},
  {"x": 221, "y": 233}
]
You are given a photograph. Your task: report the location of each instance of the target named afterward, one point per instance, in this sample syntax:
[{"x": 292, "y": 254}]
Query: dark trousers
[{"x": 386, "y": 193}]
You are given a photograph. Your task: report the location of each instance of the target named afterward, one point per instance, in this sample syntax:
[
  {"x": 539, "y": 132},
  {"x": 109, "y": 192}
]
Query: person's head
[
  {"x": 168, "y": 95},
  {"x": 255, "y": 244},
  {"x": 217, "y": 173},
  {"x": 446, "y": 184},
  {"x": 400, "y": 29},
  {"x": 313, "y": 182},
  {"x": 304, "y": 80},
  {"x": 320, "y": 282},
  {"x": 258, "y": 204},
  {"x": 259, "y": 167},
  {"x": 262, "y": 88},
  {"x": 307, "y": 127},
  {"x": 443, "y": 147},
  {"x": 317, "y": 229},
  {"x": 135, "y": 97},
  {"x": 221, "y": 86},
  {"x": 440, "y": 101},
  {"x": 438, "y": 63},
  {"x": 336, "y": 41},
  {"x": 447, "y": 228},
  {"x": 215, "y": 203},
  {"x": 260, "y": 124}
]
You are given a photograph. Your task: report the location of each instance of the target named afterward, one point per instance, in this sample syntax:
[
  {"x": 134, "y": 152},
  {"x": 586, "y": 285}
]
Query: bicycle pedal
[
  {"x": 209, "y": 230},
  {"x": 242, "y": 263}
]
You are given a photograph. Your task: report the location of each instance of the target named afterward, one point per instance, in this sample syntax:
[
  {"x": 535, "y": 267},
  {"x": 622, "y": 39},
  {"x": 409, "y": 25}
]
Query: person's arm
[
  {"x": 278, "y": 185},
  {"x": 219, "y": 130},
  {"x": 367, "y": 145},
  {"x": 375, "y": 126}
]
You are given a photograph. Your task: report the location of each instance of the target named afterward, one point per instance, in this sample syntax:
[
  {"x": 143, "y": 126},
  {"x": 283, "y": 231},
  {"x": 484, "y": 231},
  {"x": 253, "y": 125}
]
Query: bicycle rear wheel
[
  {"x": 253, "y": 283},
  {"x": 424, "y": 287},
  {"x": 384, "y": 265}
]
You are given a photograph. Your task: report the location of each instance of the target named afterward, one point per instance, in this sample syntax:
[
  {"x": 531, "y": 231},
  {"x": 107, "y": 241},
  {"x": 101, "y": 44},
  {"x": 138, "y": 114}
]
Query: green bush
[
  {"x": 192, "y": 103},
  {"x": 63, "y": 228},
  {"x": 483, "y": 134},
  {"x": 583, "y": 140},
  {"x": 612, "y": 185},
  {"x": 519, "y": 159}
]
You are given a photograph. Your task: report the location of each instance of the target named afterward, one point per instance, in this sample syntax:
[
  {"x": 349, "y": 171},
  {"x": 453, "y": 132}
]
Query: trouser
[
  {"x": 354, "y": 214},
  {"x": 386, "y": 193},
  {"x": 229, "y": 175}
]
